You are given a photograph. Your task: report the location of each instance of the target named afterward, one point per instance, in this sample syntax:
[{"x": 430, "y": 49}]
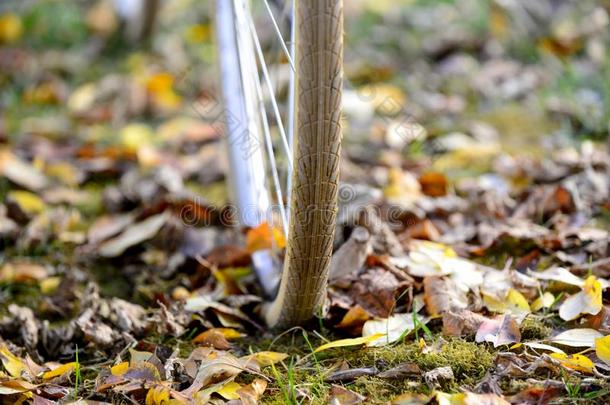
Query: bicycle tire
[{"x": 316, "y": 154}]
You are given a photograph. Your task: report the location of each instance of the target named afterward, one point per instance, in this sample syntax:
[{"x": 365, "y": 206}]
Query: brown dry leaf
[
  {"x": 433, "y": 184},
  {"x": 342, "y": 396},
  {"x": 375, "y": 291},
  {"x": 251, "y": 393},
  {"x": 213, "y": 338},
  {"x": 462, "y": 323},
  {"x": 442, "y": 295},
  {"x": 401, "y": 371},
  {"x": 500, "y": 331}
]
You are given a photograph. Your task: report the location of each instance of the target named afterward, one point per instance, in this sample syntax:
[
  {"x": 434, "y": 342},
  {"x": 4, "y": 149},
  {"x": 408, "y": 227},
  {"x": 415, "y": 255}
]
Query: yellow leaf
[
  {"x": 13, "y": 364},
  {"x": 134, "y": 136},
  {"x": 160, "y": 86},
  {"x": 49, "y": 285},
  {"x": 82, "y": 99},
  {"x": 544, "y": 301},
  {"x": 349, "y": 342},
  {"x": 64, "y": 172},
  {"x": 120, "y": 368},
  {"x": 157, "y": 395},
  {"x": 265, "y": 358},
  {"x": 198, "y": 33},
  {"x": 514, "y": 303},
  {"x": 229, "y": 390},
  {"x": 264, "y": 237},
  {"x": 61, "y": 370},
  {"x": 10, "y": 28},
  {"x": 29, "y": 203},
  {"x": 587, "y": 301},
  {"x": 576, "y": 362},
  {"x": 387, "y": 99},
  {"x": 518, "y": 301},
  {"x": 602, "y": 349}
]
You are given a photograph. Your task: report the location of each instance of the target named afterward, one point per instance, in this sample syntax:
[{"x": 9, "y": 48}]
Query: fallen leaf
[
  {"x": 540, "y": 346},
  {"x": 391, "y": 329},
  {"x": 119, "y": 369},
  {"x": 265, "y": 237},
  {"x": 433, "y": 184},
  {"x": 442, "y": 295},
  {"x": 342, "y": 396},
  {"x": 500, "y": 331},
  {"x": 546, "y": 300},
  {"x": 587, "y": 301},
  {"x": 229, "y": 390},
  {"x": 583, "y": 337},
  {"x": 576, "y": 362},
  {"x": 12, "y": 364},
  {"x": 470, "y": 398},
  {"x": 10, "y": 28},
  {"x": 355, "y": 317},
  {"x": 135, "y": 234},
  {"x": 157, "y": 395},
  {"x": 213, "y": 338},
  {"x": 21, "y": 172},
  {"x": 28, "y": 203},
  {"x": 350, "y": 342},
  {"x": 266, "y": 358},
  {"x": 67, "y": 368},
  {"x": 602, "y": 349},
  {"x": 514, "y": 303},
  {"x": 462, "y": 323},
  {"x": 401, "y": 371},
  {"x": 251, "y": 393},
  {"x": 22, "y": 272},
  {"x": 411, "y": 398}
]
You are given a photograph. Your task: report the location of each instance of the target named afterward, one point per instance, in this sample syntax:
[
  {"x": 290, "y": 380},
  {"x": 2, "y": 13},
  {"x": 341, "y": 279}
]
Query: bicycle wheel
[
  {"x": 314, "y": 156},
  {"x": 319, "y": 58}
]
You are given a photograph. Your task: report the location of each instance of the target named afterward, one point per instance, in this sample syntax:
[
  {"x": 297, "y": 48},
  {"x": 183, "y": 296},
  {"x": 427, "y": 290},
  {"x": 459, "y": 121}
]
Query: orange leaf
[{"x": 264, "y": 237}]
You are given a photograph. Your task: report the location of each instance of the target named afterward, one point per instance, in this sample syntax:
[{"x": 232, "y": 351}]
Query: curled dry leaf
[
  {"x": 350, "y": 257},
  {"x": 500, "y": 331},
  {"x": 462, "y": 323},
  {"x": 442, "y": 295}
]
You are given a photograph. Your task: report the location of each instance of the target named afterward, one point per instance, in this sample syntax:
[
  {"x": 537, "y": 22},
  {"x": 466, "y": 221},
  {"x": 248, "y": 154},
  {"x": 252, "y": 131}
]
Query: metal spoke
[
  {"x": 279, "y": 34},
  {"x": 267, "y": 79},
  {"x": 246, "y": 24}
]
